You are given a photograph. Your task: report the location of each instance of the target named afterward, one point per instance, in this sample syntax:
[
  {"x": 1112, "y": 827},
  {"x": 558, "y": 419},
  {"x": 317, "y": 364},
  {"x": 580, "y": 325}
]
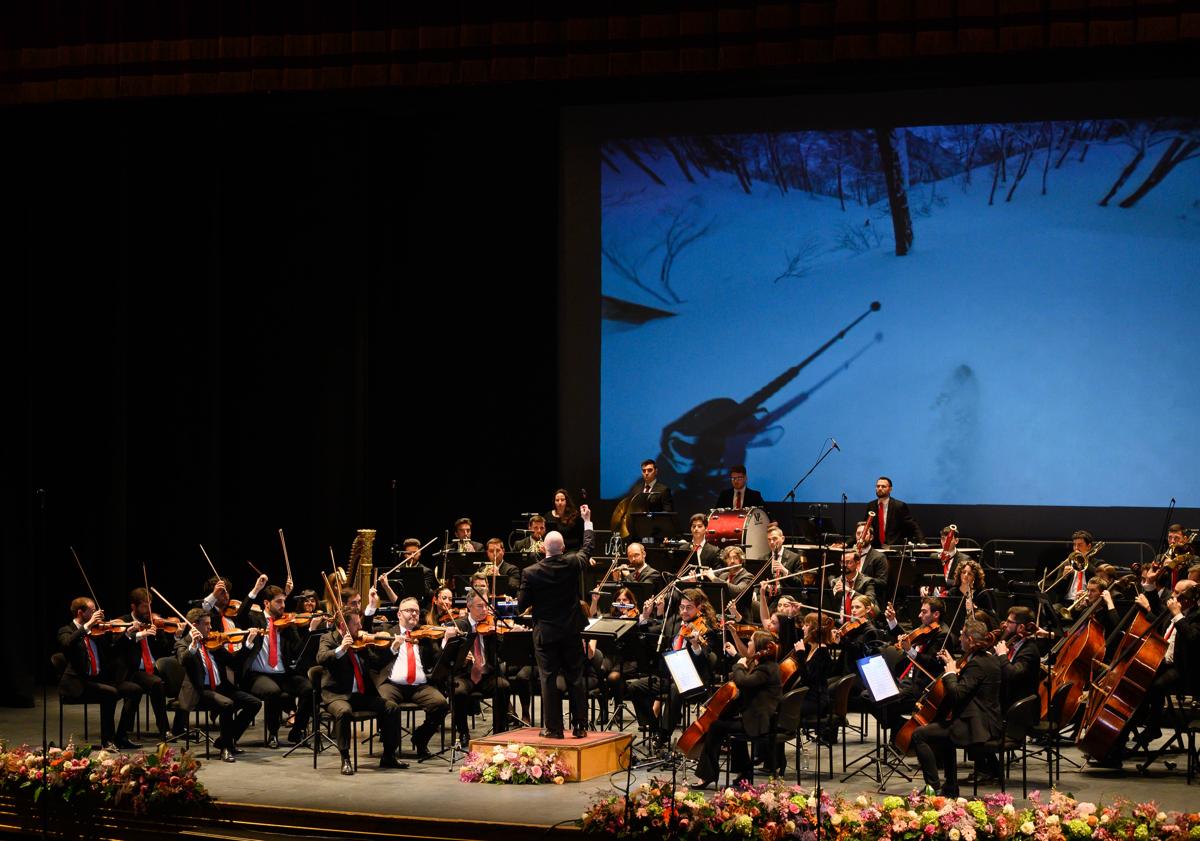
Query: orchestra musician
[
  {"x": 894, "y": 523},
  {"x": 950, "y": 556},
  {"x": 849, "y": 584},
  {"x": 737, "y": 578},
  {"x": 564, "y": 518},
  {"x": 412, "y": 554},
  {"x": 1080, "y": 566},
  {"x": 507, "y": 574},
  {"x": 703, "y": 552},
  {"x": 756, "y": 677},
  {"x": 207, "y": 687},
  {"x": 481, "y": 671},
  {"x": 782, "y": 560},
  {"x": 462, "y": 541},
  {"x": 93, "y": 673},
  {"x": 139, "y": 647},
  {"x": 531, "y": 544},
  {"x": 738, "y": 495},
  {"x": 548, "y": 589},
  {"x": 692, "y": 627},
  {"x": 268, "y": 670},
  {"x": 1020, "y": 659},
  {"x": 405, "y": 677},
  {"x": 216, "y": 604},
  {"x": 1180, "y": 553},
  {"x": 306, "y": 602},
  {"x": 441, "y": 610},
  {"x": 639, "y": 570},
  {"x": 860, "y": 634},
  {"x": 973, "y": 701},
  {"x": 916, "y": 660},
  {"x": 347, "y": 687},
  {"x": 652, "y": 495},
  {"x": 969, "y": 585},
  {"x": 815, "y": 666},
  {"x": 873, "y": 562},
  {"x": 1177, "y": 671}
]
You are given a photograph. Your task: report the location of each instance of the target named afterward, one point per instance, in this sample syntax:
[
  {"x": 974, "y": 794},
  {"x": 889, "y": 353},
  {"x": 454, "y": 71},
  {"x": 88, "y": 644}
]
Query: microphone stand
[{"x": 792, "y": 493}]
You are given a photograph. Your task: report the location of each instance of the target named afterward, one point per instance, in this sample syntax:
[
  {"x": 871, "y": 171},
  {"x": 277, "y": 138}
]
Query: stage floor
[{"x": 432, "y": 790}]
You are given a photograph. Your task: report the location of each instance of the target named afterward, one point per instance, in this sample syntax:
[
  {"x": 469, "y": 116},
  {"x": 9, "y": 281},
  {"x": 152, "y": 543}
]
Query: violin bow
[
  {"x": 334, "y": 600},
  {"x": 79, "y": 564},
  {"x": 182, "y": 618},
  {"x": 286, "y": 563},
  {"x": 210, "y": 563}
]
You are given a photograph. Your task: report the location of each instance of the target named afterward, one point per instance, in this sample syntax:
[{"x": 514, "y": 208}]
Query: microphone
[
  {"x": 835, "y": 444},
  {"x": 528, "y": 514}
]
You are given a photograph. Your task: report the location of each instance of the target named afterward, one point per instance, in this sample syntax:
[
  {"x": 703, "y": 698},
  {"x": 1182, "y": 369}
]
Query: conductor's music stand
[{"x": 885, "y": 761}]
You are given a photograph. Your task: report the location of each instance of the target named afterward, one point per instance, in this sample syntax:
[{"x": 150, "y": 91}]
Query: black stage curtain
[{"x": 230, "y": 316}]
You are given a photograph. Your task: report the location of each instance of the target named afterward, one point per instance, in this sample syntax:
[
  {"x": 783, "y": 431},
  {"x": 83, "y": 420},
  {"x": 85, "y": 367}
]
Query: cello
[
  {"x": 1075, "y": 653},
  {"x": 1120, "y": 691},
  {"x": 691, "y": 743}
]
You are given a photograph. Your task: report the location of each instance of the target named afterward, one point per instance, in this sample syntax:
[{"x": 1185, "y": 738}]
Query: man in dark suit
[
  {"x": 462, "y": 541},
  {"x": 894, "y": 523},
  {"x": 508, "y": 576},
  {"x": 268, "y": 669},
  {"x": 93, "y": 673},
  {"x": 550, "y": 588},
  {"x": 756, "y": 677},
  {"x": 912, "y": 664},
  {"x": 874, "y": 563},
  {"x": 139, "y": 648},
  {"x": 531, "y": 544},
  {"x": 739, "y": 496},
  {"x": 405, "y": 677},
  {"x": 205, "y": 685},
  {"x": 843, "y": 588},
  {"x": 973, "y": 698},
  {"x": 347, "y": 687},
  {"x": 639, "y": 570},
  {"x": 481, "y": 672},
  {"x": 216, "y": 603},
  {"x": 1020, "y": 660},
  {"x": 1077, "y": 569},
  {"x": 703, "y": 552},
  {"x": 653, "y": 495}
]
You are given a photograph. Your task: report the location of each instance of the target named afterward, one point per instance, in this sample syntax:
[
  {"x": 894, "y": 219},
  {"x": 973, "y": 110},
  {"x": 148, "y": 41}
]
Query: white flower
[
  {"x": 962, "y": 801},
  {"x": 1104, "y": 819},
  {"x": 1052, "y": 820},
  {"x": 836, "y": 819},
  {"x": 955, "y": 835},
  {"x": 1008, "y": 809},
  {"x": 861, "y": 800},
  {"x": 1160, "y": 817},
  {"x": 1086, "y": 809},
  {"x": 1027, "y": 828},
  {"x": 969, "y": 834},
  {"x": 812, "y": 801}
]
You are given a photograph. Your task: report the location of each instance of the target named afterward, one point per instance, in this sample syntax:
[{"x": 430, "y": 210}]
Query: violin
[
  {"x": 852, "y": 625},
  {"x": 115, "y": 626},
  {"x": 917, "y": 635},
  {"x": 488, "y": 627},
  {"x": 741, "y": 629},
  {"x": 231, "y": 609},
  {"x": 381, "y": 639},
  {"x": 694, "y": 629},
  {"x": 168, "y": 625},
  {"x": 427, "y": 632},
  {"x": 298, "y": 618},
  {"x": 233, "y": 636}
]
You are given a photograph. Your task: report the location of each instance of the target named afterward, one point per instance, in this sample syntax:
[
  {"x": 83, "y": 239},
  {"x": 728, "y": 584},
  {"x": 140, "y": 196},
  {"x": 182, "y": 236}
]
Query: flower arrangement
[
  {"x": 520, "y": 764},
  {"x": 776, "y": 810},
  {"x": 164, "y": 780}
]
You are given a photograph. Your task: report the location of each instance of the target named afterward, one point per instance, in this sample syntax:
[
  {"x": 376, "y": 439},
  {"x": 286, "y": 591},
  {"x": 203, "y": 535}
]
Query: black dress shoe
[
  {"x": 227, "y": 755},
  {"x": 272, "y": 741},
  {"x": 700, "y": 783},
  {"x": 422, "y": 749},
  {"x": 347, "y": 767},
  {"x": 551, "y": 734},
  {"x": 389, "y": 760},
  {"x": 124, "y": 744},
  {"x": 236, "y": 750},
  {"x": 295, "y": 736},
  {"x": 579, "y": 732}
]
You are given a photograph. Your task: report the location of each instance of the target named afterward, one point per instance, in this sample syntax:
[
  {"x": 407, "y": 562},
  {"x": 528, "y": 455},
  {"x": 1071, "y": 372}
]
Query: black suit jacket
[
  {"x": 974, "y": 698},
  {"x": 861, "y": 585},
  {"x": 792, "y": 561},
  {"x": 551, "y": 589},
  {"x": 659, "y": 498},
  {"x": 129, "y": 651},
  {"x": 1022, "y": 673},
  {"x": 291, "y": 641},
  {"x": 750, "y": 498},
  {"x": 71, "y": 642},
  {"x": 710, "y": 556},
  {"x": 425, "y": 650},
  {"x": 875, "y": 566},
  {"x": 899, "y": 521},
  {"x": 760, "y": 692},
  {"x": 338, "y": 681},
  {"x": 193, "y": 670}
]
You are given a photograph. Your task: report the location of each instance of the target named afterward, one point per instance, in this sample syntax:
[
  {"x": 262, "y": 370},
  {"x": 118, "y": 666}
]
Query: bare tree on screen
[
  {"x": 1184, "y": 144},
  {"x": 902, "y": 225},
  {"x": 683, "y": 228},
  {"x": 1137, "y": 135}
]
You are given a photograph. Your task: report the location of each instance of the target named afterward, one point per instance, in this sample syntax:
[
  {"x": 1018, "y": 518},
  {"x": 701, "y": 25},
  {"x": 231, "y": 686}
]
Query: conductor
[{"x": 551, "y": 588}]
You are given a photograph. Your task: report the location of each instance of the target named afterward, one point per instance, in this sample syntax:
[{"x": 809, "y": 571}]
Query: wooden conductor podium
[{"x": 602, "y": 752}]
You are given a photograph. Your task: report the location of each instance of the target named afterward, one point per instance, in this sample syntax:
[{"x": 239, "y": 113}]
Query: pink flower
[{"x": 536, "y": 772}]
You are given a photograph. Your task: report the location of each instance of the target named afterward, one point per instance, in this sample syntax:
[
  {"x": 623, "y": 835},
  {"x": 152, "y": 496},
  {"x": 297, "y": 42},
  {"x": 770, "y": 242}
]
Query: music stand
[
  {"x": 652, "y": 527},
  {"x": 305, "y": 661},
  {"x": 464, "y": 563},
  {"x": 451, "y": 660},
  {"x": 408, "y": 582},
  {"x": 876, "y": 675}
]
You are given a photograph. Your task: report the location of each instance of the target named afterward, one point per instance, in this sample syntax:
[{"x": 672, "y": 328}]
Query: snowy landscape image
[{"x": 1036, "y": 332}]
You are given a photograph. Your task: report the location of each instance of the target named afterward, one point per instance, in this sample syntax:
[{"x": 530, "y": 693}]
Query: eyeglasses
[{"x": 410, "y": 610}]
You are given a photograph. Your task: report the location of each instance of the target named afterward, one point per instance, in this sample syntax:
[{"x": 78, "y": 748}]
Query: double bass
[
  {"x": 1073, "y": 657},
  {"x": 1120, "y": 691}
]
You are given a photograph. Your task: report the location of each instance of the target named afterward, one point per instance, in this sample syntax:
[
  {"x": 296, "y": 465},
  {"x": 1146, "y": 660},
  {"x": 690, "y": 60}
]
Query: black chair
[
  {"x": 59, "y": 661},
  {"x": 322, "y": 718},
  {"x": 788, "y": 728},
  {"x": 836, "y": 719},
  {"x": 1019, "y": 720},
  {"x": 172, "y": 673}
]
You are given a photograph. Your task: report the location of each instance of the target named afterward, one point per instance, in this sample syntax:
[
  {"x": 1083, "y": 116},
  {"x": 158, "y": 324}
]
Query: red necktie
[
  {"x": 737, "y": 500},
  {"x": 227, "y": 625},
  {"x": 678, "y": 644},
  {"x": 1170, "y": 630},
  {"x": 273, "y": 648},
  {"x": 411, "y": 653},
  {"x": 208, "y": 665},
  {"x": 1079, "y": 583},
  {"x": 358, "y": 681},
  {"x": 93, "y": 662},
  {"x": 147, "y": 660},
  {"x": 882, "y": 533},
  {"x": 477, "y": 666},
  {"x": 849, "y": 601},
  {"x": 1012, "y": 652}
]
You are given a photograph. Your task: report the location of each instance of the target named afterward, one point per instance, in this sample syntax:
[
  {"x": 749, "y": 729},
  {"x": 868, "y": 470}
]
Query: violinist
[
  {"x": 93, "y": 672},
  {"x": 206, "y": 685},
  {"x": 1020, "y": 659},
  {"x": 405, "y": 677},
  {"x": 220, "y": 608},
  {"x": 140, "y": 646},
  {"x": 736, "y": 577},
  {"x": 849, "y": 584},
  {"x": 268, "y": 669},
  {"x": 548, "y": 590},
  {"x": 306, "y": 603},
  {"x": 347, "y": 687},
  {"x": 915, "y": 658},
  {"x": 508, "y": 575},
  {"x": 441, "y": 611},
  {"x": 692, "y": 627},
  {"x": 615, "y": 665},
  {"x": 481, "y": 671},
  {"x": 973, "y": 705},
  {"x": 756, "y": 677},
  {"x": 859, "y": 635},
  {"x": 814, "y": 668},
  {"x": 703, "y": 552},
  {"x": 783, "y": 623}
]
